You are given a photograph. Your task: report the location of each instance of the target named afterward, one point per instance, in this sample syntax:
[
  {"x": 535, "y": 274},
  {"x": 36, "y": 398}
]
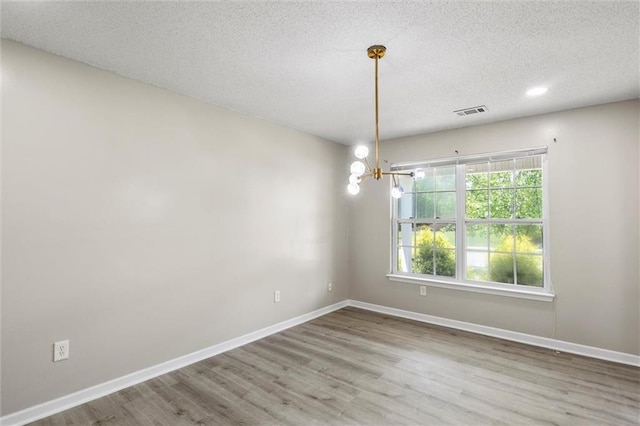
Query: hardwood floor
[{"x": 358, "y": 367}]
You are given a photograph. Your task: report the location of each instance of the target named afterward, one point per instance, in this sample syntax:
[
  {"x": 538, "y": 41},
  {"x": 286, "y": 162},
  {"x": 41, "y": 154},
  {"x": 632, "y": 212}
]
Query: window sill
[{"x": 499, "y": 291}]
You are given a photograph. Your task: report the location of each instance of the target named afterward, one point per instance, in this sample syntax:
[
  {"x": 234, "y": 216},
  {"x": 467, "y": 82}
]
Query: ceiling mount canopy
[
  {"x": 362, "y": 170},
  {"x": 376, "y": 51}
]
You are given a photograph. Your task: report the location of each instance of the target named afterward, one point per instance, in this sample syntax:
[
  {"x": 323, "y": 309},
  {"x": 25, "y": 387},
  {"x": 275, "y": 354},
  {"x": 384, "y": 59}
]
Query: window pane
[
  {"x": 435, "y": 249},
  {"x": 529, "y": 178},
  {"x": 478, "y": 237},
  {"x": 446, "y": 204},
  {"x": 428, "y": 183},
  {"x": 445, "y": 235},
  {"x": 529, "y": 269},
  {"x": 445, "y": 261},
  {"x": 501, "y": 203},
  {"x": 423, "y": 235},
  {"x": 529, "y": 203},
  {"x": 478, "y": 265},
  {"x": 477, "y": 177},
  {"x": 501, "y": 268},
  {"x": 446, "y": 178},
  {"x": 500, "y": 179},
  {"x": 501, "y": 238},
  {"x": 426, "y": 205},
  {"x": 477, "y": 204},
  {"x": 423, "y": 260},
  {"x": 529, "y": 239},
  {"x": 406, "y": 206}
]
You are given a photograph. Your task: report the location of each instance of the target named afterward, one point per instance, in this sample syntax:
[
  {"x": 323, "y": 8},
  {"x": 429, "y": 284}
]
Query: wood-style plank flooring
[{"x": 355, "y": 367}]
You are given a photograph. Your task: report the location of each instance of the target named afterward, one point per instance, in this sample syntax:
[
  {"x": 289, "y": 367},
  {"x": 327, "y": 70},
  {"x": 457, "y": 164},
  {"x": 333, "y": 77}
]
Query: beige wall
[
  {"x": 144, "y": 225},
  {"x": 594, "y": 216}
]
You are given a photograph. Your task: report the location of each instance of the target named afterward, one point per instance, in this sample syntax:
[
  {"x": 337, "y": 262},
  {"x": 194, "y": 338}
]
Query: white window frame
[{"x": 544, "y": 293}]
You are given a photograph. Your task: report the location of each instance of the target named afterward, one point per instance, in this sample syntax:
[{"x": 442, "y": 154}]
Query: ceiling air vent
[{"x": 471, "y": 111}]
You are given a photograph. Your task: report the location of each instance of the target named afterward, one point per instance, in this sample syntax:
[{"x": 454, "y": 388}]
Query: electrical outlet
[
  {"x": 60, "y": 350},
  {"x": 423, "y": 290},
  {"x": 329, "y": 286},
  {"x": 276, "y": 296}
]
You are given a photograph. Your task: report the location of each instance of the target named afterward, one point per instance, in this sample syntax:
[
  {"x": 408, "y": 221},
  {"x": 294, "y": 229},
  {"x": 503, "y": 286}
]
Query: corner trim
[
  {"x": 57, "y": 405},
  {"x": 544, "y": 342}
]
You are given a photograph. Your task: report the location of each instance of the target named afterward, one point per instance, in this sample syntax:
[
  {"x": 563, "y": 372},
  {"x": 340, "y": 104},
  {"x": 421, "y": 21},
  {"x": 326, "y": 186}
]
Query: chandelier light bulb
[
  {"x": 397, "y": 191},
  {"x": 354, "y": 179},
  {"x": 361, "y": 152},
  {"x": 358, "y": 168},
  {"x": 419, "y": 174},
  {"x": 353, "y": 188}
]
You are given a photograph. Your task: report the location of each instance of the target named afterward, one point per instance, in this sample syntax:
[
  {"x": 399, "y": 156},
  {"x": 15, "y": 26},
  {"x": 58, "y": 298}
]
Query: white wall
[
  {"x": 144, "y": 225},
  {"x": 594, "y": 232}
]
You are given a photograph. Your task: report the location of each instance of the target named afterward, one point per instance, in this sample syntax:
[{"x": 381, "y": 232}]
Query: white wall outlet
[
  {"x": 276, "y": 296},
  {"x": 329, "y": 286},
  {"x": 60, "y": 350},
  {"x": 423, "y": 290}
]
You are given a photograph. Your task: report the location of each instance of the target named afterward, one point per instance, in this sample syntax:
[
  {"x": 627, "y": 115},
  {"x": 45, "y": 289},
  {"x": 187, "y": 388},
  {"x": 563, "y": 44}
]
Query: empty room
[{"x": 320, "y": 212}]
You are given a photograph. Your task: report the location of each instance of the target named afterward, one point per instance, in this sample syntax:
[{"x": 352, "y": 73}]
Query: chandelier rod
[
  {"x": 376, "y": 52},
  {"x": 377, "y": 120}
]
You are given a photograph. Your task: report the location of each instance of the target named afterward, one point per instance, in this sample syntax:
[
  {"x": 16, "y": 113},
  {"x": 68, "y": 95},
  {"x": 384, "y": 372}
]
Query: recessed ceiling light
[{"x": 537, "y": 91}]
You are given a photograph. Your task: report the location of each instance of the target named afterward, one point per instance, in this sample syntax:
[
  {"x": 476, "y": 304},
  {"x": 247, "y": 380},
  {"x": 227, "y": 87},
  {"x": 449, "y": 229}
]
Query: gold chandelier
[{"x": 363, "y": 170}]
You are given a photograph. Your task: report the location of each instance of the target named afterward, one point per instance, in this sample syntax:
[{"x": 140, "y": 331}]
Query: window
[{"x": 474, "y": 220}]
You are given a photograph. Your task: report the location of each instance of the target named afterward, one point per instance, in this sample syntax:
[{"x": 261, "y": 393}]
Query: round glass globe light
[
  {"x": 358, "y": 168},
  {"x": 354, "y": 179},
  {"x": 361, "y": 152},
  {"x": 353, "y": 188},
  {"x": 397, "y": 191}
]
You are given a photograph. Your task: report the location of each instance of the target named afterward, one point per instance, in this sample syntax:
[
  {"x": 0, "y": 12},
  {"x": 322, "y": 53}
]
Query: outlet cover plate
[{"x": 60, "y": 350}]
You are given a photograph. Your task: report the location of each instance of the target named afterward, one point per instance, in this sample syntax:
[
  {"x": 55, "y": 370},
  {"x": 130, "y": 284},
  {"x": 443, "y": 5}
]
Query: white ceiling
[{"x": 304, "y": 65}]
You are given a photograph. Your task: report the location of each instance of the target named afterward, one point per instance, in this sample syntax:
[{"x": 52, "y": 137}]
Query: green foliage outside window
[
  {"x": 434, "y": 254},
  {"x": 528, "y": 262},
  {"x": 506, "y": 195},
  {"x": 499, "y": 197}
]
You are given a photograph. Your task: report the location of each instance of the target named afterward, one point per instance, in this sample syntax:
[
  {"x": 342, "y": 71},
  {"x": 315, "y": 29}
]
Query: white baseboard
[
  {"x": 559, "y": 345},
  {"x": 69, "y": 401},
  {"x": 49, "y": 408}
]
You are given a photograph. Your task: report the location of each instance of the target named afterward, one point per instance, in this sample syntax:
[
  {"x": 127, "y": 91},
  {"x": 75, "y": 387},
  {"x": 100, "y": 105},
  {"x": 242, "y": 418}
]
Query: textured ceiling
[{"x": 304, "y": 64}]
